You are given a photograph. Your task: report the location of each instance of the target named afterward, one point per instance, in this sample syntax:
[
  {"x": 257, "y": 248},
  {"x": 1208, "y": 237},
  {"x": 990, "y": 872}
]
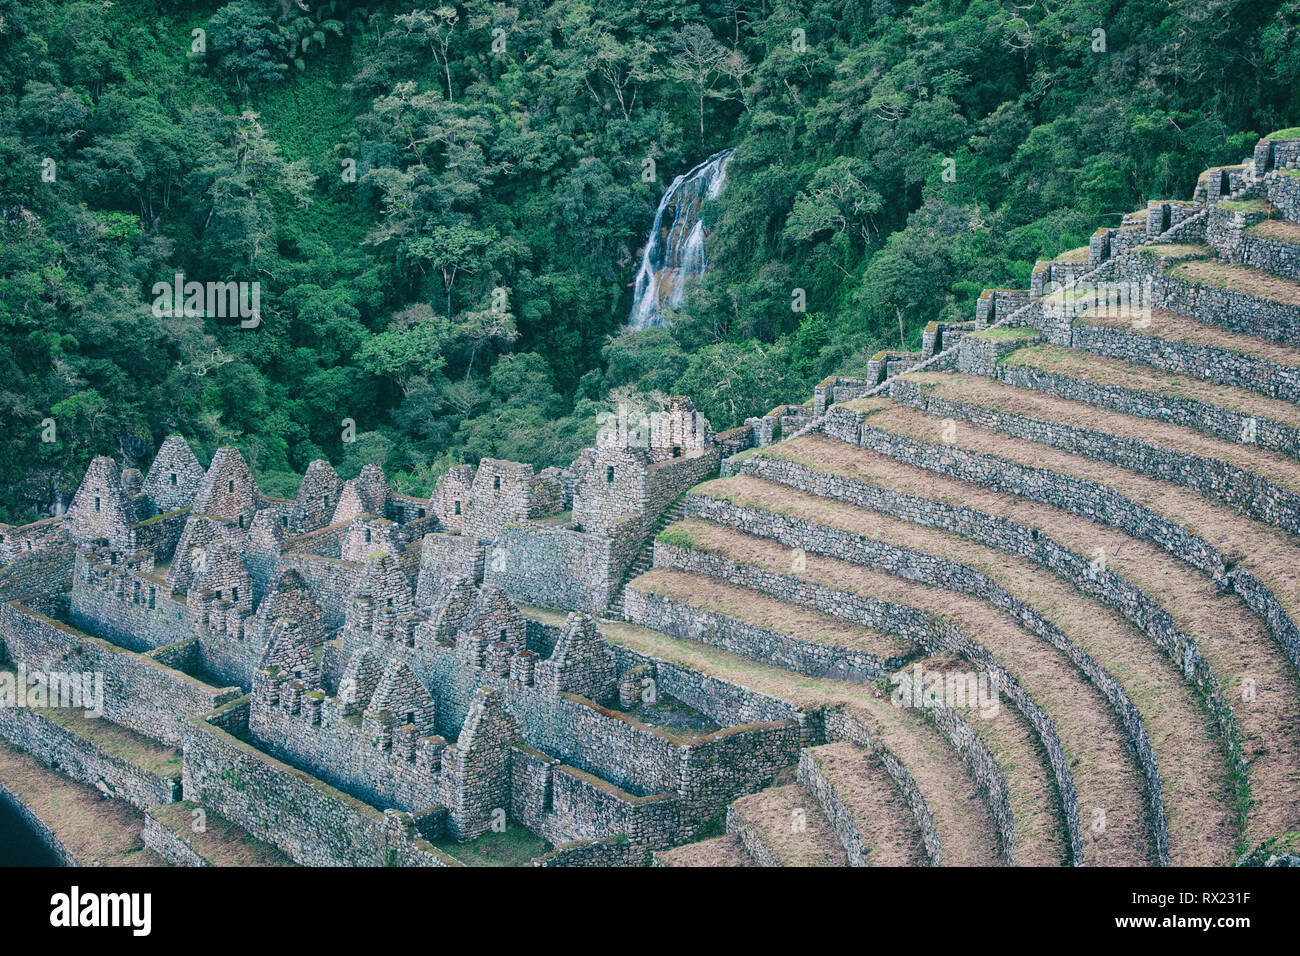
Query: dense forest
[{"x": 443, "y": 205}]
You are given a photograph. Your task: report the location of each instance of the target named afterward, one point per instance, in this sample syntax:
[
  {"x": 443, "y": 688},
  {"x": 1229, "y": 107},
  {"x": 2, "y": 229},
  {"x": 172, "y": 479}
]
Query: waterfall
[{"x": 674, "y": 250}]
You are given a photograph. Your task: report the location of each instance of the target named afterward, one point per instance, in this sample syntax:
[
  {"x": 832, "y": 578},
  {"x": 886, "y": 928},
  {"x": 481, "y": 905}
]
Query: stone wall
[
  {"x": 1244, "y": 491},
  {"x": 1216, "y": 420},
  {"x": 1238, "y": 311},
  {"x": 1187, "y": 358},
  {"x": 749, "y": 640},
  {"x": 553, "y": 567},
  {"x": 77, "y": 757},
  {"x": 315, "y": 824},
  {"x": 139, "y": 692}
]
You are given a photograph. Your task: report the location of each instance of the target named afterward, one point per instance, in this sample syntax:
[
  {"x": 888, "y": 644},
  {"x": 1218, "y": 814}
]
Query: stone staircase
[{"x": 644, "y": 559}]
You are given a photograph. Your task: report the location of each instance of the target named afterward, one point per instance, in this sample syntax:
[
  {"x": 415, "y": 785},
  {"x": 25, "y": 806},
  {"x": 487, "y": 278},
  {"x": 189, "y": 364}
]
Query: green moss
[
  {"x": 515, "y": 846},
  {"x": 676, "y": 536},
  {"x": 1291, "y": 132}
]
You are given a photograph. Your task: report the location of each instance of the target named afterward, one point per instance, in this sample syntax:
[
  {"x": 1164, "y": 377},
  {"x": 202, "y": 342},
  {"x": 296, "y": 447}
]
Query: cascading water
[{"x": 674, "y": 250}]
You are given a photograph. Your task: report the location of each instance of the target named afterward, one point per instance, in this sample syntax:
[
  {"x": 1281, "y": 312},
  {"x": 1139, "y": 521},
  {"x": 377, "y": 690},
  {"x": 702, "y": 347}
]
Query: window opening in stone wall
[
  {"x": 457, "y": 504},
  {"x": 496, "y": 483},
  {"x": 172, "y": 478},
  {"x": 96, "y": 502},
  {"x": 677, "y": 451},
  {"x": 1225, "y": 182},
  {"x": 609, "y": 474},
  {"x": 230, "y": 486}
]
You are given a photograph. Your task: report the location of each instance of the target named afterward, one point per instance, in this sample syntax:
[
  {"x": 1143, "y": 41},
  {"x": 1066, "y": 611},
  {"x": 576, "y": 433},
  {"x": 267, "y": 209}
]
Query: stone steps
[
  {"x": 644, "y": 559},
  {"x": 863, "y": 805},
  {"x": 1259, "y": 484},
  {"x": 726, "y": 850},
  {"x": 1225, "y": 412},
  {"x": 783, "y": 826},
  {"x": 1195, "y": 768},
  {"x": 1080, "y": 728}
]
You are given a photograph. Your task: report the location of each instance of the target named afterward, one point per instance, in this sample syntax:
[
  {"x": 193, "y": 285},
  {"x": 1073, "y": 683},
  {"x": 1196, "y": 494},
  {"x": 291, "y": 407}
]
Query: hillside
[{"x": 444, "y": 207}]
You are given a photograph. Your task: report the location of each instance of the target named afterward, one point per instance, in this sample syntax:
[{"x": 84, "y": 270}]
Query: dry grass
[
  {"x": 1180, "y": 328},
  {"x": 1234, "y": 641},
  {"x": 1097, "y": 749},
  {"x": 1278, "y": 230},
  {"x": 790, "y": 825},
  {"x": 751, "y": 607},
  {"x": 1103, "y": 370},
  {"x": 222, "y": 842},
  {"x": 1282, "y": 470},
  {"x": 879, "y": 810},
  {"x": 961, "y": 817},
  {"x": 719, "y": 851},
  {"x": 1238, "y": 278},
  {"x": 93, "y": 828},
  {"x": 1192, "y": 760}
]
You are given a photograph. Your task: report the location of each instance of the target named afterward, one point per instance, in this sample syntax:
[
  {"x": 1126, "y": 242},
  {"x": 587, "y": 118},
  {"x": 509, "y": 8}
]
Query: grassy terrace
[
  {"x": 1277, "y": 229},
  {"x": 763, "y": 611},
  {"x": 716, "y": 851},
  {"x": 1281, "y": 469},
  {"x": 93, "y": 829},
  {"x": 1237, "y": 278},
  {"x": 114, "y": 740},
  {"x": 962, "y": 819},
  {"x": 1273, "y": 718},
  {"x": 879, "y": 810},
  {"x": 1104, "y": 370},
  {"x": 1096, "y": 747},
  {"x": 1199, "y": 790},
  {"x": 769, "y": 812},
  {"x": 221, "y": 842},
  {"x": 1074, "y": 256},
  {"x": 1171, "y": 252},
  {"x": 1180, "y": 328},
  {"x": 516, "y": 846}
]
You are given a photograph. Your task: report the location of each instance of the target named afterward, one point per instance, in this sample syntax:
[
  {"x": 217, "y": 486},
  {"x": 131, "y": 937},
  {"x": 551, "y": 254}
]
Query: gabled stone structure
[
  {"x": 318, "y": 496},
  {"x": 227, "y": 490},
  {"x": 581, "y": 663},
  {"x": 174, "y": 476},
  {"x": 476, "y": 769},
  {"x": 499, "y": 498},
  {"x": 201, "y": 533},
  {"x": 101, "y": 510},
  {"x": 451, "y": 496}
]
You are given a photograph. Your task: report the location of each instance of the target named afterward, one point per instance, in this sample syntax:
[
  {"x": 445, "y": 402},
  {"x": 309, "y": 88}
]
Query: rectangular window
[
  {"x": 96, "y": 502},
  {"x": 172, "y": 478},
  {"x": 230, "y": 486},
  {"x": 457, "y": 507},
  {"x": 609, "y": 474}
]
